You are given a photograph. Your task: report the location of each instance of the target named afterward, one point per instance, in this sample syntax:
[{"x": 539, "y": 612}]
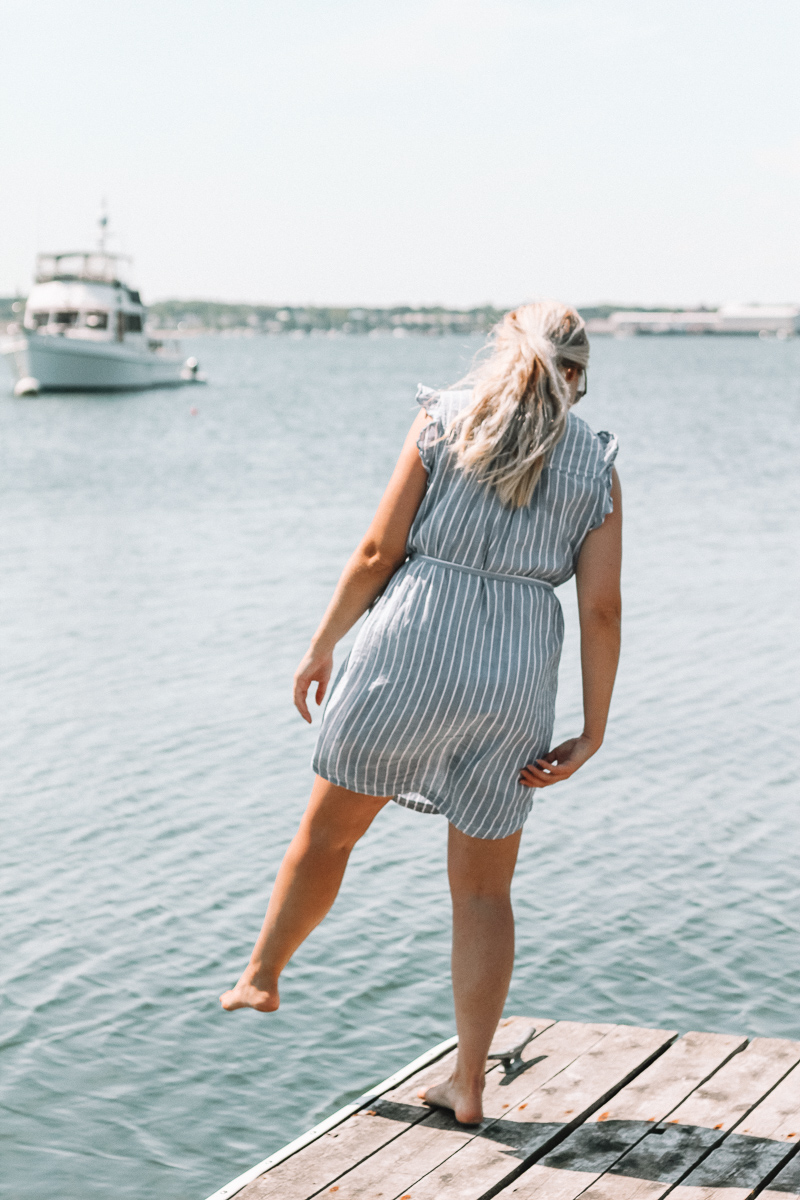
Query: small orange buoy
[{"x": 193, "y": 411}]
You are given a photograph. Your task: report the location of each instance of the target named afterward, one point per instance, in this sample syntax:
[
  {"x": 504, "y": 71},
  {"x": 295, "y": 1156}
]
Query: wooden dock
[{"x": 604, "y": 1112}]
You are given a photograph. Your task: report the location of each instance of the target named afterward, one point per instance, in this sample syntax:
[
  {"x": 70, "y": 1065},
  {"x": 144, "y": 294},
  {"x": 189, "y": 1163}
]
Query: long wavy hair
[{"x": 521, "y": 399}]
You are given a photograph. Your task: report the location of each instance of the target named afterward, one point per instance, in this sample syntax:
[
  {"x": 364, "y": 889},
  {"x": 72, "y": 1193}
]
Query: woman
[{"x": 446, "y": 701}]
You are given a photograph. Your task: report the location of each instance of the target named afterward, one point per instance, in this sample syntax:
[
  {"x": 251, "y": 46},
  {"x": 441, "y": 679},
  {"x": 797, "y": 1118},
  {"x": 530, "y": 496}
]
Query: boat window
[
  {"x": 66, "y": 318},
  {"x": 97, "y": 320},
  {"x": 133, "y": 322},
  {"x": 40, "y": 319}
]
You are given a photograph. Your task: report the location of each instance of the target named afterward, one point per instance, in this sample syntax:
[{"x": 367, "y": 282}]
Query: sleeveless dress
[{"x": 450, "y": 686}]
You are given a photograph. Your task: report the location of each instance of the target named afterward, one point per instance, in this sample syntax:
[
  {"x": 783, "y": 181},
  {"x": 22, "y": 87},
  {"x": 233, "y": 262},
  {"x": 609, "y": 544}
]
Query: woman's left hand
[
  {"x": 559, "y": 764},
  {"x": 315, "y": 668}
]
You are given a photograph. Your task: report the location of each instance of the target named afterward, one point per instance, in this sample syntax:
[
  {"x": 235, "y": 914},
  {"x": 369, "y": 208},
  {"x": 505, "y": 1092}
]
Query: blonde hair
[{"x": 521, "y": 399}]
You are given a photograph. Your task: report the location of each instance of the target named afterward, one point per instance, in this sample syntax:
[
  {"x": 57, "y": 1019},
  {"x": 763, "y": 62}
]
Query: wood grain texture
[
  {"x": 738, "y": 1165},
  {"x": 732, "y": 1091},
  {"x": 786, "y": 1185},
  {"x": 608, "y": 1133},
  {"x": 673, "y": 1149},
  {"x": 600, "y": 1112},
  {"x": 544, "y": 1117},
  {"x": 672, "y": 1078},
  {"x": 546, "y": 1056},
  {"x": 620, "y": 1187},
  {"x": 761, "y": 1144},
  {"x": 508, "y": 1029},
  {"x": 396, "y": 1167},
  {"x": 318, "y": 1165},
  {"x": 778, "y": 1114},
  {"x": 712, "y": 1193}
]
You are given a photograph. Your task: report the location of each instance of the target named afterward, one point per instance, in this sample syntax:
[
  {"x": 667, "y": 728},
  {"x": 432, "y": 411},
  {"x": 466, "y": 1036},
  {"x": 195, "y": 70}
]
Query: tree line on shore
[
  {"x": 188, "y": 315},
  {"x": 198, "y": 316}
]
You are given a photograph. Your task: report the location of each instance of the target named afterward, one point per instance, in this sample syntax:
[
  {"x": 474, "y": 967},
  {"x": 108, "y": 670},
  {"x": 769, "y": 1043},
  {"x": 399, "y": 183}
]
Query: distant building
[
  {"x": 780, "y": 319},
  {"x": 627, "y": 324},
  {"x": 773, "y": 320}
]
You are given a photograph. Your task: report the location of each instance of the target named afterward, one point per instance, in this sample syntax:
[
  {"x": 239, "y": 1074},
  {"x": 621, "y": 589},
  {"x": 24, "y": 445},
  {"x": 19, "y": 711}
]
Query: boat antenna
[{"x": 102, "y": 224}]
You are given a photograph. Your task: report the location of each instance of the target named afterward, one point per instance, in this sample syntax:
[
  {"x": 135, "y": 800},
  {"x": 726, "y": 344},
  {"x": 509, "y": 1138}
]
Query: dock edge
[{"x": 424, "y": 1060}]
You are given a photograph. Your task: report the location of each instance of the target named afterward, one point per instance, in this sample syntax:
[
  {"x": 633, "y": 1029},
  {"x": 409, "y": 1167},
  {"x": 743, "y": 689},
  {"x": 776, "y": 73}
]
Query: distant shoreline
[{"x": 189, "y": 318}]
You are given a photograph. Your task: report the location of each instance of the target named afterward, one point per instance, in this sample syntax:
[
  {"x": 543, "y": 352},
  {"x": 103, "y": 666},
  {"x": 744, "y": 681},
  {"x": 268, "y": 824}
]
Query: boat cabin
[{"x": 83, "y": 294}]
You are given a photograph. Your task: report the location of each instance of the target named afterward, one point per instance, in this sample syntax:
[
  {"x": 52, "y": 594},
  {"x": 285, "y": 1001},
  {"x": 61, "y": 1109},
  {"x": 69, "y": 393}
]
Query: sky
[{"x": 415, "y": 151}]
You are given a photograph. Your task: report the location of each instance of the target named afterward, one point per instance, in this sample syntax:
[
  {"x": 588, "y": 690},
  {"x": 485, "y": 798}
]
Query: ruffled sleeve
[
  {"x": 429, "y": 399},
  {"x": 431, "y": 402},
  {"x": 608, "y": 449}
]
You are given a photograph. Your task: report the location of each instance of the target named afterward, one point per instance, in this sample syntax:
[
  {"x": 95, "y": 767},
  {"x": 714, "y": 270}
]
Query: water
[{"x": 162, "y": 572}]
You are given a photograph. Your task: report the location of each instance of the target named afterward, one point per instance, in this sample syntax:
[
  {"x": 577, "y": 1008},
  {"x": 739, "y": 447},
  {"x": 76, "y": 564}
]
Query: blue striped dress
[{"x": 450, "y": 686}]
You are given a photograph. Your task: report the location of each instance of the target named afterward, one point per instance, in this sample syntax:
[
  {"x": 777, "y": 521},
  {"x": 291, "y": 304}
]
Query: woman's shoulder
[
  {"x": 443, "y": 405},
  {"x": 581, "y": 451}
]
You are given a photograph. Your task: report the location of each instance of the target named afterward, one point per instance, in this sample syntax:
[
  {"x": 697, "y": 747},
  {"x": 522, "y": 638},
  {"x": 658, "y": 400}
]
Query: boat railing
[{"x": 91, "y": 266}]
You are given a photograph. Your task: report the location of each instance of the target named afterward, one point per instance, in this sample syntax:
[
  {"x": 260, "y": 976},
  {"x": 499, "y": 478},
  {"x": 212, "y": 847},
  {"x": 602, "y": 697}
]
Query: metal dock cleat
[{"x": 512, "y": 1058}]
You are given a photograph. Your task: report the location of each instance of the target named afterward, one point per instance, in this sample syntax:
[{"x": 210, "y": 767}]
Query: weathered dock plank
[
  {"x": 364, "y": 1101},
  {"x": 320, "y": 1164},
  {"x": 597, "y": 1111},
  {"x": 606, "y": 1135},
  {"x": 531, "y": 1126},
  {"x": 671, "y": 1150},
  {"x": 399, "y": 1165},
  {"x": 757, "y": 1148},
  {"x": 786, "y": 1185}
]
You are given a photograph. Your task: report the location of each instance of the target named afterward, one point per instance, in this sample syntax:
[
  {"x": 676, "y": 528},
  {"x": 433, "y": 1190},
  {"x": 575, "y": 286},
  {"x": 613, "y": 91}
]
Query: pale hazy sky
[{"x": 367, "y": 151}]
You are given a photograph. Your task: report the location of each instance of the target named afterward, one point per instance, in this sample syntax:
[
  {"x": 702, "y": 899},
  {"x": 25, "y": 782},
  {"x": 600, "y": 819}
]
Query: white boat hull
[{"x": 63, "y": 364}]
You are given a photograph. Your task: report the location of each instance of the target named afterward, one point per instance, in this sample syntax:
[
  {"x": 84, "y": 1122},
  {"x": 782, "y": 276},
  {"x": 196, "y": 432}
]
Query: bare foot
[
  {"x": 466, "y": 1104},
  {"x": 247, "y": 995}
]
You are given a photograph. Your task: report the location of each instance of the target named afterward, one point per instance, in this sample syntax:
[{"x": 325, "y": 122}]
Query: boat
[{"x": 85, "y": 329}]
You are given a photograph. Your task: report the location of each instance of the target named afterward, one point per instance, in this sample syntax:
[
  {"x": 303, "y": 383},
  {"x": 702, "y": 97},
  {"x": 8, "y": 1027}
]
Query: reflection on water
[{"x": 161, "y": 575}]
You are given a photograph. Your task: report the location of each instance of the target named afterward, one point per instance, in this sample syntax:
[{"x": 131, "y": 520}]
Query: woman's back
[{"x": 462, "y": 521}]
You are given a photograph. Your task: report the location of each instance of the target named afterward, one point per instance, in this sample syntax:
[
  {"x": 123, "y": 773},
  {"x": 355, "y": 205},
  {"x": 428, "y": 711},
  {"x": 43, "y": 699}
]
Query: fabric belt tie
[{"x": 502, "y": 576}]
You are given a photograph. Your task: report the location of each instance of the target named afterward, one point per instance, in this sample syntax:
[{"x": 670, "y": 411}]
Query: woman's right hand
[
  {"x": 314, "y": 668},
  {"x": 559, "y": 763}
]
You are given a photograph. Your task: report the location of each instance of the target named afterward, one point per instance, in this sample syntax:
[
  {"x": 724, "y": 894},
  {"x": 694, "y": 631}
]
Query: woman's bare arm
[
  {"x": 600, "y": 609},
  {"x": 370, "y": 568}
]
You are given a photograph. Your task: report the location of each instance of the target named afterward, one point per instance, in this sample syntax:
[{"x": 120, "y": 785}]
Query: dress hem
[{"x": 437, "y": 812}]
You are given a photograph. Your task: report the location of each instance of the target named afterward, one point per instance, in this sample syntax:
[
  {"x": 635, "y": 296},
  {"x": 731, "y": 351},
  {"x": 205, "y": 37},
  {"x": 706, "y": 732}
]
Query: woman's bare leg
[
  {"x": 480, "y": 874},
  {"x": 306, "y": 886}
]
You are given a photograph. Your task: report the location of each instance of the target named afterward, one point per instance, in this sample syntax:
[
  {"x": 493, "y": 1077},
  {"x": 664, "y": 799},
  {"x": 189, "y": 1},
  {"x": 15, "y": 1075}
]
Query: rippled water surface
[{"x": 162, "y": 572}]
